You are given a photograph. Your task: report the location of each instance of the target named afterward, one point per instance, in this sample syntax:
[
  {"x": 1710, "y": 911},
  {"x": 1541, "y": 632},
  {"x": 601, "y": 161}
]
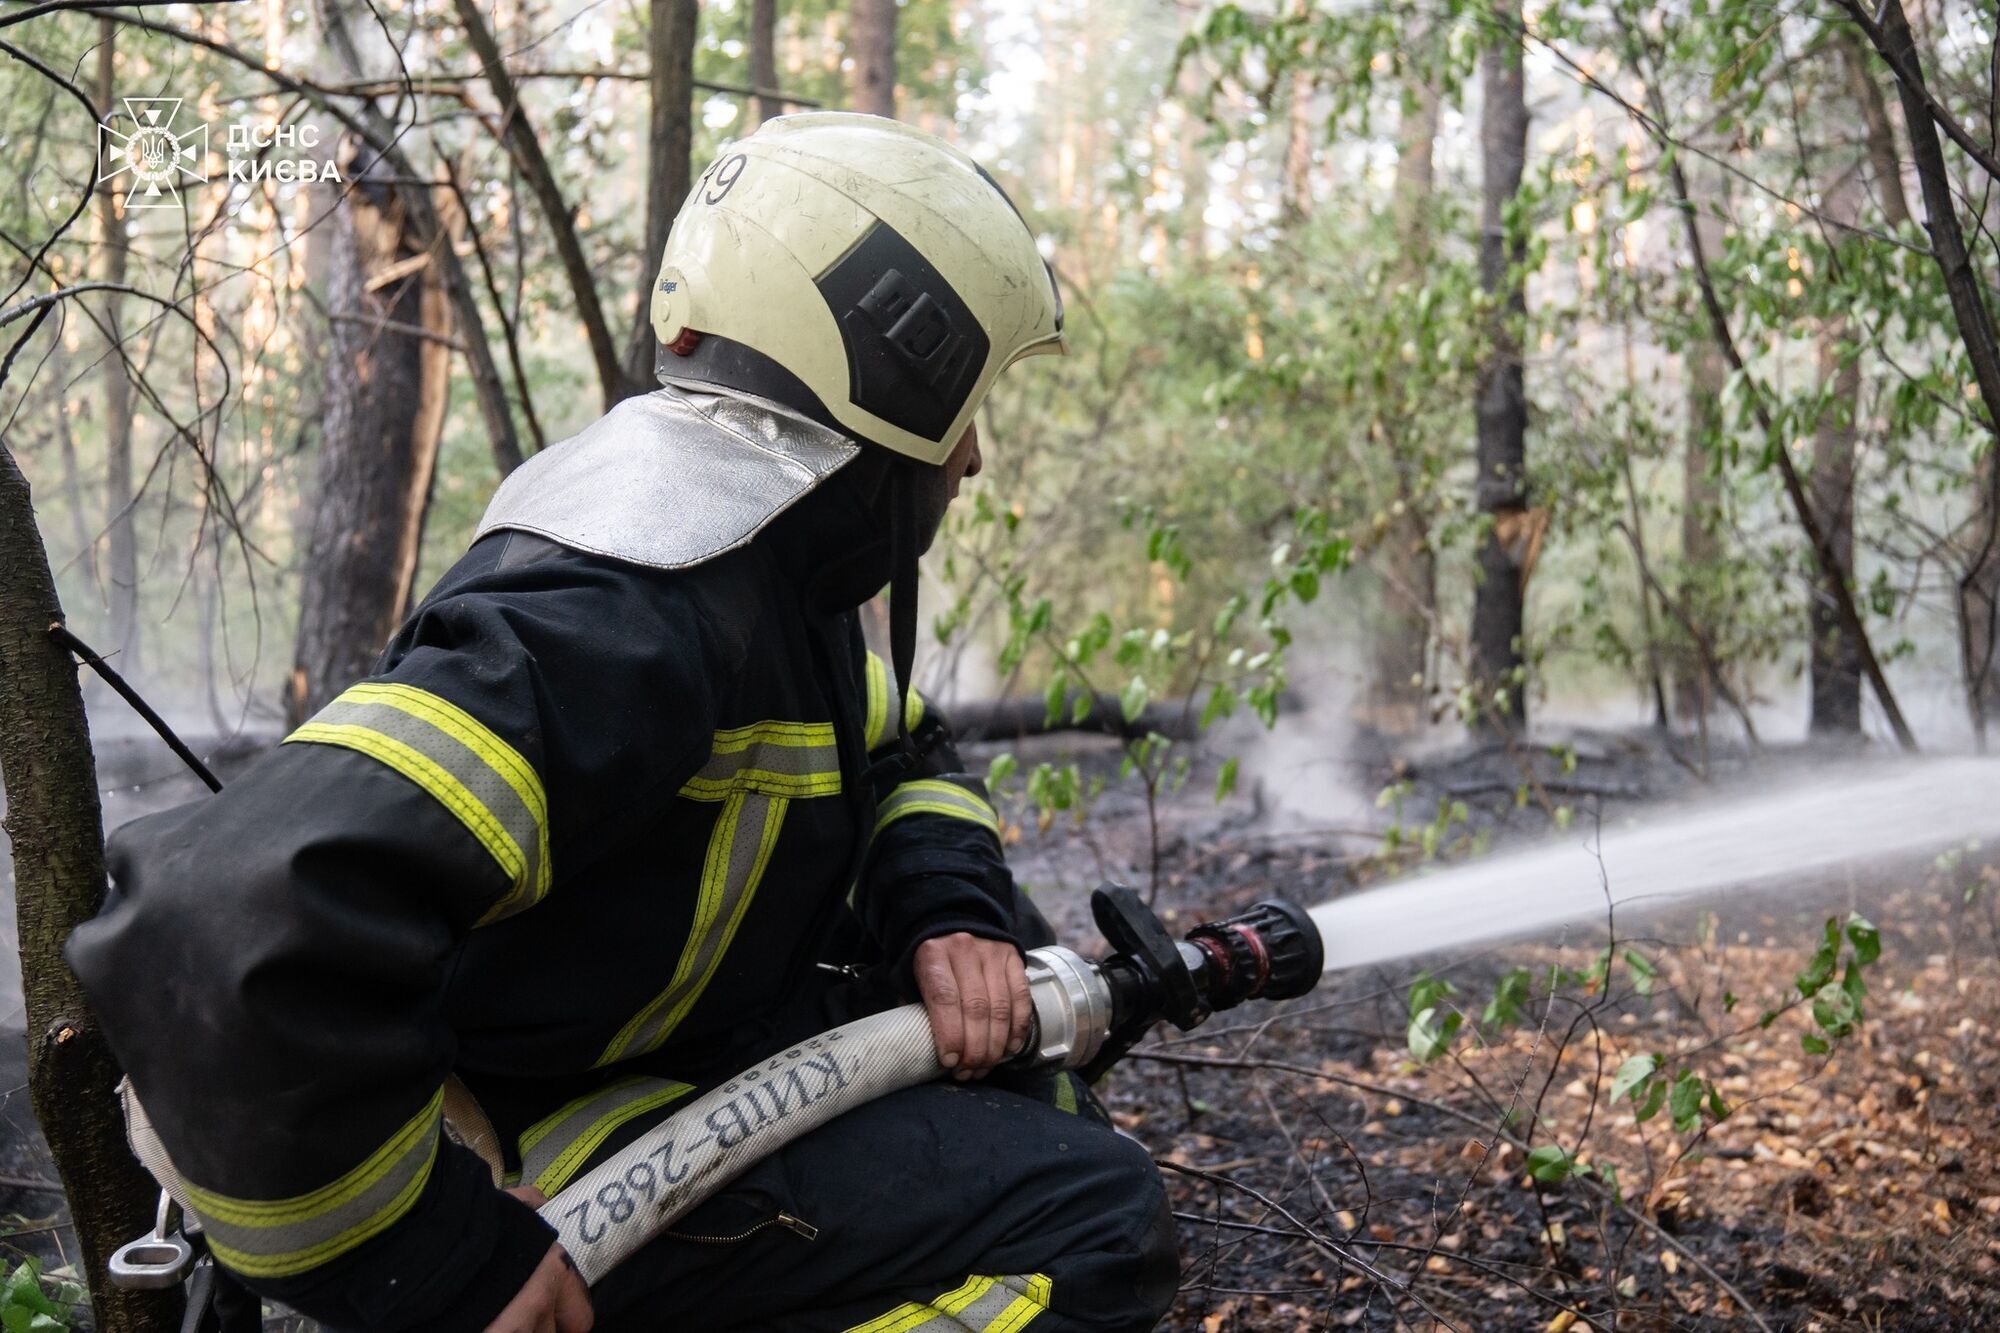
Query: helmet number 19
[{"x": 721, "y": 177}]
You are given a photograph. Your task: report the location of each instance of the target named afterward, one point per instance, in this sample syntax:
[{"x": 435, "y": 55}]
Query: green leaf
[
  {"x": 1132, "y": 699},
  {"x": 1866, "y": 939},
  {"x": 1813, "y": 1044},
  {"x": 1633, "y": 1073},
  {"x": 1684, "y": 1103},
  {"x": 1642, "y": 971},
  {"x": 1003, "y": 766},
  {"x": 1551, "y": 1164},
  {"x": 1052, "y": 699},
  {"x": 1225, "y": 780},
  {"x": 1429, "y": 1038}
]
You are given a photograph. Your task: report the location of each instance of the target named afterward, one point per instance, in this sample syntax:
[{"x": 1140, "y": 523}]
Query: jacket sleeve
[
  {"x": 935, "y": 865},
  {"x": 270, "y": 964}
]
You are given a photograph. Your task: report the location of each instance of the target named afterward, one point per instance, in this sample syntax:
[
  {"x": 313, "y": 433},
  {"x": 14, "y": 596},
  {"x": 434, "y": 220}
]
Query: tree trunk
[
  {"x": 1836, "y": 658},
  {"x": 385, "y": 401},
  {"x": 518, "y": 134},
  {"x": 1409, "y": 567},
  {"x": 121, "y": 556},
  {"x": 1295, "y": 183},
  {"x": 764, "y": 59},
  {"x": 871, "y": 38},
  {"x": 1499, "y": 668},
  {"x": 55, "y": 826},
  {"x": 1835, "y": 662},
  {"x": 1979, "y": 580},
  {"x": 468, "y": 321},
  {"x": 670, "y": 38},
  {"x": 1701, "y": 514}
]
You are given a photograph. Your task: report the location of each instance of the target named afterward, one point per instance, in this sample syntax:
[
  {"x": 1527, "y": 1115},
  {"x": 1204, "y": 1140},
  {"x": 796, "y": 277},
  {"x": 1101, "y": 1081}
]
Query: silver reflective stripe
[
  {"x": 935, "y": 796},
  {"x": 738, "y": 851},
  {"x": 1010, "y": 1303},
  {"x": 755, "y": 772},
  {"x": 555, "y": 1147},
  {"x": 465, "y": 767},
  {"x": 776, "y": 758},
  {"x": 978, "y": 1305},
  {"x": 282, "y": 1237}
]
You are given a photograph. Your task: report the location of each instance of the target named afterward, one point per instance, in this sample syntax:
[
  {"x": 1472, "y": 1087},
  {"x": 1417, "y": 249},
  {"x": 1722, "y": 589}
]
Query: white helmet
[{"x": 870, "y": 264}]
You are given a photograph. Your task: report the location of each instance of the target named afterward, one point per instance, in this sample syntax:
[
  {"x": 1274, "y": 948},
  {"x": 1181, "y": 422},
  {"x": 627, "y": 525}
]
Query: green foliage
[{"x": 30, "y": 1304}]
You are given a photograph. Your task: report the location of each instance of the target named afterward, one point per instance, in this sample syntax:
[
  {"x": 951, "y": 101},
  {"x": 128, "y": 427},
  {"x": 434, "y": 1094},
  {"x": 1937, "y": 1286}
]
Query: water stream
[{"x": 1749, "y": 842}]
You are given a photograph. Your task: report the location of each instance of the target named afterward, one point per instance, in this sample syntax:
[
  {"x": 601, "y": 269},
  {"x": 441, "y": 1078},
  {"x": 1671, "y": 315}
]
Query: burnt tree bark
[
  {"x": 871, "y": 40},
  {"x": 121, "y": 539},
  {"x": 670, "y": 39},
  {"x": 764, "y": 60},
  {"x": 1499, "y": 665},
  {"x": 55, "y": 826},
  {"x": 386, "y": 391}
]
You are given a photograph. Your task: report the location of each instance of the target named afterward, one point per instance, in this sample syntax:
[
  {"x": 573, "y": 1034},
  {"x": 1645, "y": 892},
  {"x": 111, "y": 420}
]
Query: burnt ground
[{"x": 1326, "y": 1179}]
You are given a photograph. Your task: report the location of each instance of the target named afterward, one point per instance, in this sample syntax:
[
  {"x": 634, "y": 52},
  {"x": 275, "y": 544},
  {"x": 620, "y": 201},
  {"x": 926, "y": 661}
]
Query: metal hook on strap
[{"x": 158, "y": 1258}]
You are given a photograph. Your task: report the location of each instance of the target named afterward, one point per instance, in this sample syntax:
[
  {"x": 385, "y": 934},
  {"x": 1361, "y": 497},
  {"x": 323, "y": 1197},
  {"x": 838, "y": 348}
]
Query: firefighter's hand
[
  {"x": 554, "y": 1299},
  {"x": 976, "y": 992}
]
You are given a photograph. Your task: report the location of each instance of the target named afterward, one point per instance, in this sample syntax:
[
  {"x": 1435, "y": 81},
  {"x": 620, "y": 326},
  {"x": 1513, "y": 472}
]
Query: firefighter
[{"x": 627, "y": 805}]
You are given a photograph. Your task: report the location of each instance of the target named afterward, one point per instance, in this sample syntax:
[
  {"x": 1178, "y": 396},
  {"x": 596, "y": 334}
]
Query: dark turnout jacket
[{"x": 587, "y": 826}]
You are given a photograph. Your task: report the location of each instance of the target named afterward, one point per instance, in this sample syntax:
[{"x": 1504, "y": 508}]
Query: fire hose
[{"x": 1087, "y": 1015}]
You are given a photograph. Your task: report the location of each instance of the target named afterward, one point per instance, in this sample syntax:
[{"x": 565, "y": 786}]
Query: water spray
[{"x": 1088, "y": 1014}]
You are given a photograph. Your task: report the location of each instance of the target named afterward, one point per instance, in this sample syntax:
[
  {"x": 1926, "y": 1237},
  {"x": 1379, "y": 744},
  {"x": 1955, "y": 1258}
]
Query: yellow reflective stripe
[
  {"x": 555, "y": 1146},
  {"x": 739, "y": 850},
  {"x": 483, "y": 781},
  {"x": 875, "y": 730},
  {"x": 764, "y": 780},
  {"x": 791, "y": 759},
  {"x": 279, "y": 1237},
  {"x": 935, "y": 796},
  {"x": 1024, "y": 1308},
  {"x": 878, "y": 701},
  {"x": 911, "y": 1315},
  {"x": 978, "y": 1305},
  {"x": 768, "y": 732}
]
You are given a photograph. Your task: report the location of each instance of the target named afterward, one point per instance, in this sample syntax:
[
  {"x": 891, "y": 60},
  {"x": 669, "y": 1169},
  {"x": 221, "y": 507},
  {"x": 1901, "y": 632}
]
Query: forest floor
[{"x": 1324, "y": 1178}]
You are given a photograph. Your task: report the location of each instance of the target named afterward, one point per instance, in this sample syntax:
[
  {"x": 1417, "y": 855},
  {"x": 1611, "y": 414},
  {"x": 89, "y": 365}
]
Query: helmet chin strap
[{"x": 906, "y": 543}]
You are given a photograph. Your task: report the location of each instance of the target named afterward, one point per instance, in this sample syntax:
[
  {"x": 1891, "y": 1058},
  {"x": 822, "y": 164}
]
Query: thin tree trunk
[
  {"x": 1835, "y": 659},
  {"x": 385, "y": 401},
  {"x": 872, "y": 40},
  {"x": 1881, "y": 135},
  {"x": 1979, "y": 582},
  {"x": 1788, "y": 474},
  {"x": 1498, "y": 665},
  {"x": 1701, "y": 513},
  {"x": 1295, "y": 184},
  {"x": 55, "y": 827},
  {"x": 764, "y": 59},
  {"x": 670, "y": 40},
  {"x": 526, "y": 149},
  {"x": 1409, "y": 599},
  {"x": 121, "y": 535}
]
